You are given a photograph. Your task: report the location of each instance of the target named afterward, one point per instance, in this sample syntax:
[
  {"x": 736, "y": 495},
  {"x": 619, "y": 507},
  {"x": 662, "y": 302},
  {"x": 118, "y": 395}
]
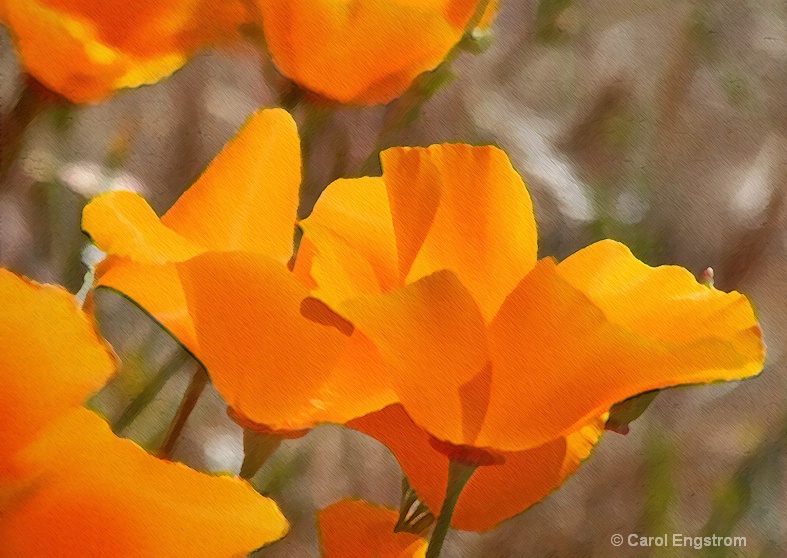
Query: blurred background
[{"x": 661, "y": 123}]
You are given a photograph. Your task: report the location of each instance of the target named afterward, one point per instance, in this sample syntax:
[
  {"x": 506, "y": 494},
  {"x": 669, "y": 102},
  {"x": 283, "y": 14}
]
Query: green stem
[
  {"x": 315, "y": 120},
  {"x": 198, "y": 383},
  {"x": 458, "y": 475},
  {"x": 257, "y": 449},
  {"x": 149, "y": 392},
  {"x": 402, "y": 111}
]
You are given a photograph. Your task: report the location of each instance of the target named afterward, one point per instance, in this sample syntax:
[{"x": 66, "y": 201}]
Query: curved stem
[
  {"x": 458, "y": 475},
  {"x": 195, "y": 389}
]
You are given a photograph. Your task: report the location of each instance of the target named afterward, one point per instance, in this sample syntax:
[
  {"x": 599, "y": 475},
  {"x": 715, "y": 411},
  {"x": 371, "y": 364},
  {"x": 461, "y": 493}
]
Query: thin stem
[
  {"x": 193, "y": 392},
  {"x": 257, "y": 449},
  {"x": 458, "y": 475},
  {"x": 149, "y": 392},
  {"x": 402, "y": 111},
  {"x": 315, "y": 119}
]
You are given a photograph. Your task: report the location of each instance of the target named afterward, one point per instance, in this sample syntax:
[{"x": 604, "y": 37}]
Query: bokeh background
[{"x": 661, "y": 123}]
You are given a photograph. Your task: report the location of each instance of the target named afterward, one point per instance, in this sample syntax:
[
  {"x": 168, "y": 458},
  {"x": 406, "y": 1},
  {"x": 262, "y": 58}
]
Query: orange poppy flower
[
  {"x": 68, "y": 486},
  {"x": 487, "y": 347},
  {"x": 362, "y": 52},
  {"x": 213, "y": 271},
  {"x": 87, "y": 50},
  {"x": 493, "y": 494},
  {"x": 355, "y": 529}
]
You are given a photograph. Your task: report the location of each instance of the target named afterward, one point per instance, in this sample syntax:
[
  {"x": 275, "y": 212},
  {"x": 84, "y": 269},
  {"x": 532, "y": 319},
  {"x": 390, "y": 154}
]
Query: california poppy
[
  {"x": 356, "y": 529},
  {"x": 71, "y": 488},
  {"x": 487, "y": 347},
  {"x": 213, "y": 271},
  {"x": 362, "y": 52},
  {"x": 87, "y": 50}
]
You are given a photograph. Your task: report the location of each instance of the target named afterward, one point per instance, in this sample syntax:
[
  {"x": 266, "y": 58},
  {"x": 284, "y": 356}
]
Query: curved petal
[
  {"x": 364, "y": 52},
  {"x": 156, "y": 289},
  {"x": 431, "y": 336},
  {"x": 51, "y": 360},
  {"x": 123, "y": 224},
  {"x": 670, "y": 304},
  {"x": 355, "y": 529},
  {"x": 98, "y": 495},
  {"x": 247, "y": 198},
  {"x": 558, "y": 361},
  {"x": 494, "y": 493},
  {"x": 352, "y": 241},
  {"x": 464, "y": 209},
  {"x": 272, "y": 365}
]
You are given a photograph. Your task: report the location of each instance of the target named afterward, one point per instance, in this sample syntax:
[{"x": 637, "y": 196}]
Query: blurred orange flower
[
  {"x": 364, "y": 51},
  {"x": 68, "y": 486},
  {"x": 486, "y": 347},
  {"x": 86, "y": 50},
  {"x": 213, "y": 271},
  {"x": 355, "y": 529}
]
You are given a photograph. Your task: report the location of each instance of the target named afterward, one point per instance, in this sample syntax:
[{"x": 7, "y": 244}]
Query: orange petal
[
  {"x": 99, "y": 495},
  {"x": 432, "y": 338},
  {"x": 354, "y": 529},
  {"x": 156, "y": 289},
  {"x": 670, "y": 304},
  {"x": 123, "y": 224},
  {"x": 364, "y": 52},
  {"x": 352, "y": 240},
  {"x": 271, "y": 364},
  {"x": 247, "y": 198},
  {"x": 465, "y": 209},
  {"x": 558, "y": 361},
  {"x": 51, "y": 360},
  {"x": 494, "y": 493}
]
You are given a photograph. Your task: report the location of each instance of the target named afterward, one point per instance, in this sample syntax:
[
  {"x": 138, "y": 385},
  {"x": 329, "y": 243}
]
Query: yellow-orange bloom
[
  {"x": 486, "y": 347},
  {"x": 213, "y": 271},
  {"x": 364, "y": 51},
  {"x": 355, "y": 529},
  {"x": 493, "y": 494},
  {"x": 86, "y": 50},
  {"x": 71, "y": 488}
]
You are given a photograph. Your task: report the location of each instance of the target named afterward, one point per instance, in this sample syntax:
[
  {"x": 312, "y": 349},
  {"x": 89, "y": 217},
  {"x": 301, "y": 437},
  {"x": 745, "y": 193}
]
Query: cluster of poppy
[
  {"x": 360, "y": 52},
  {"x": 416, "y": 312},
  {"x": 414, "y": 308}
]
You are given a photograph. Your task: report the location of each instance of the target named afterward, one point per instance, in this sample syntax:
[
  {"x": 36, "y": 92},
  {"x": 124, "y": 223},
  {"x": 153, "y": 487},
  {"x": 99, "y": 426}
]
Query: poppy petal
[
  {"x": 355, "y": 529},
  {"x": 465, "y": 209},
  {"x": 352, "y": 235},
  {"x": 494, "y": 493},
  {"x": 272, "y": 365},
  {"x": 431, "y": 336},
  {"x": 123, "y": 224},
  {"x": 550, "y": 343},
  {"x": 156, "y": 289},
  {"x": 670, "y": 304},
  {"x": 98, "y": 495},
  {"x": 51, "y": 359},
  {"x": 247, "y": 198}
]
